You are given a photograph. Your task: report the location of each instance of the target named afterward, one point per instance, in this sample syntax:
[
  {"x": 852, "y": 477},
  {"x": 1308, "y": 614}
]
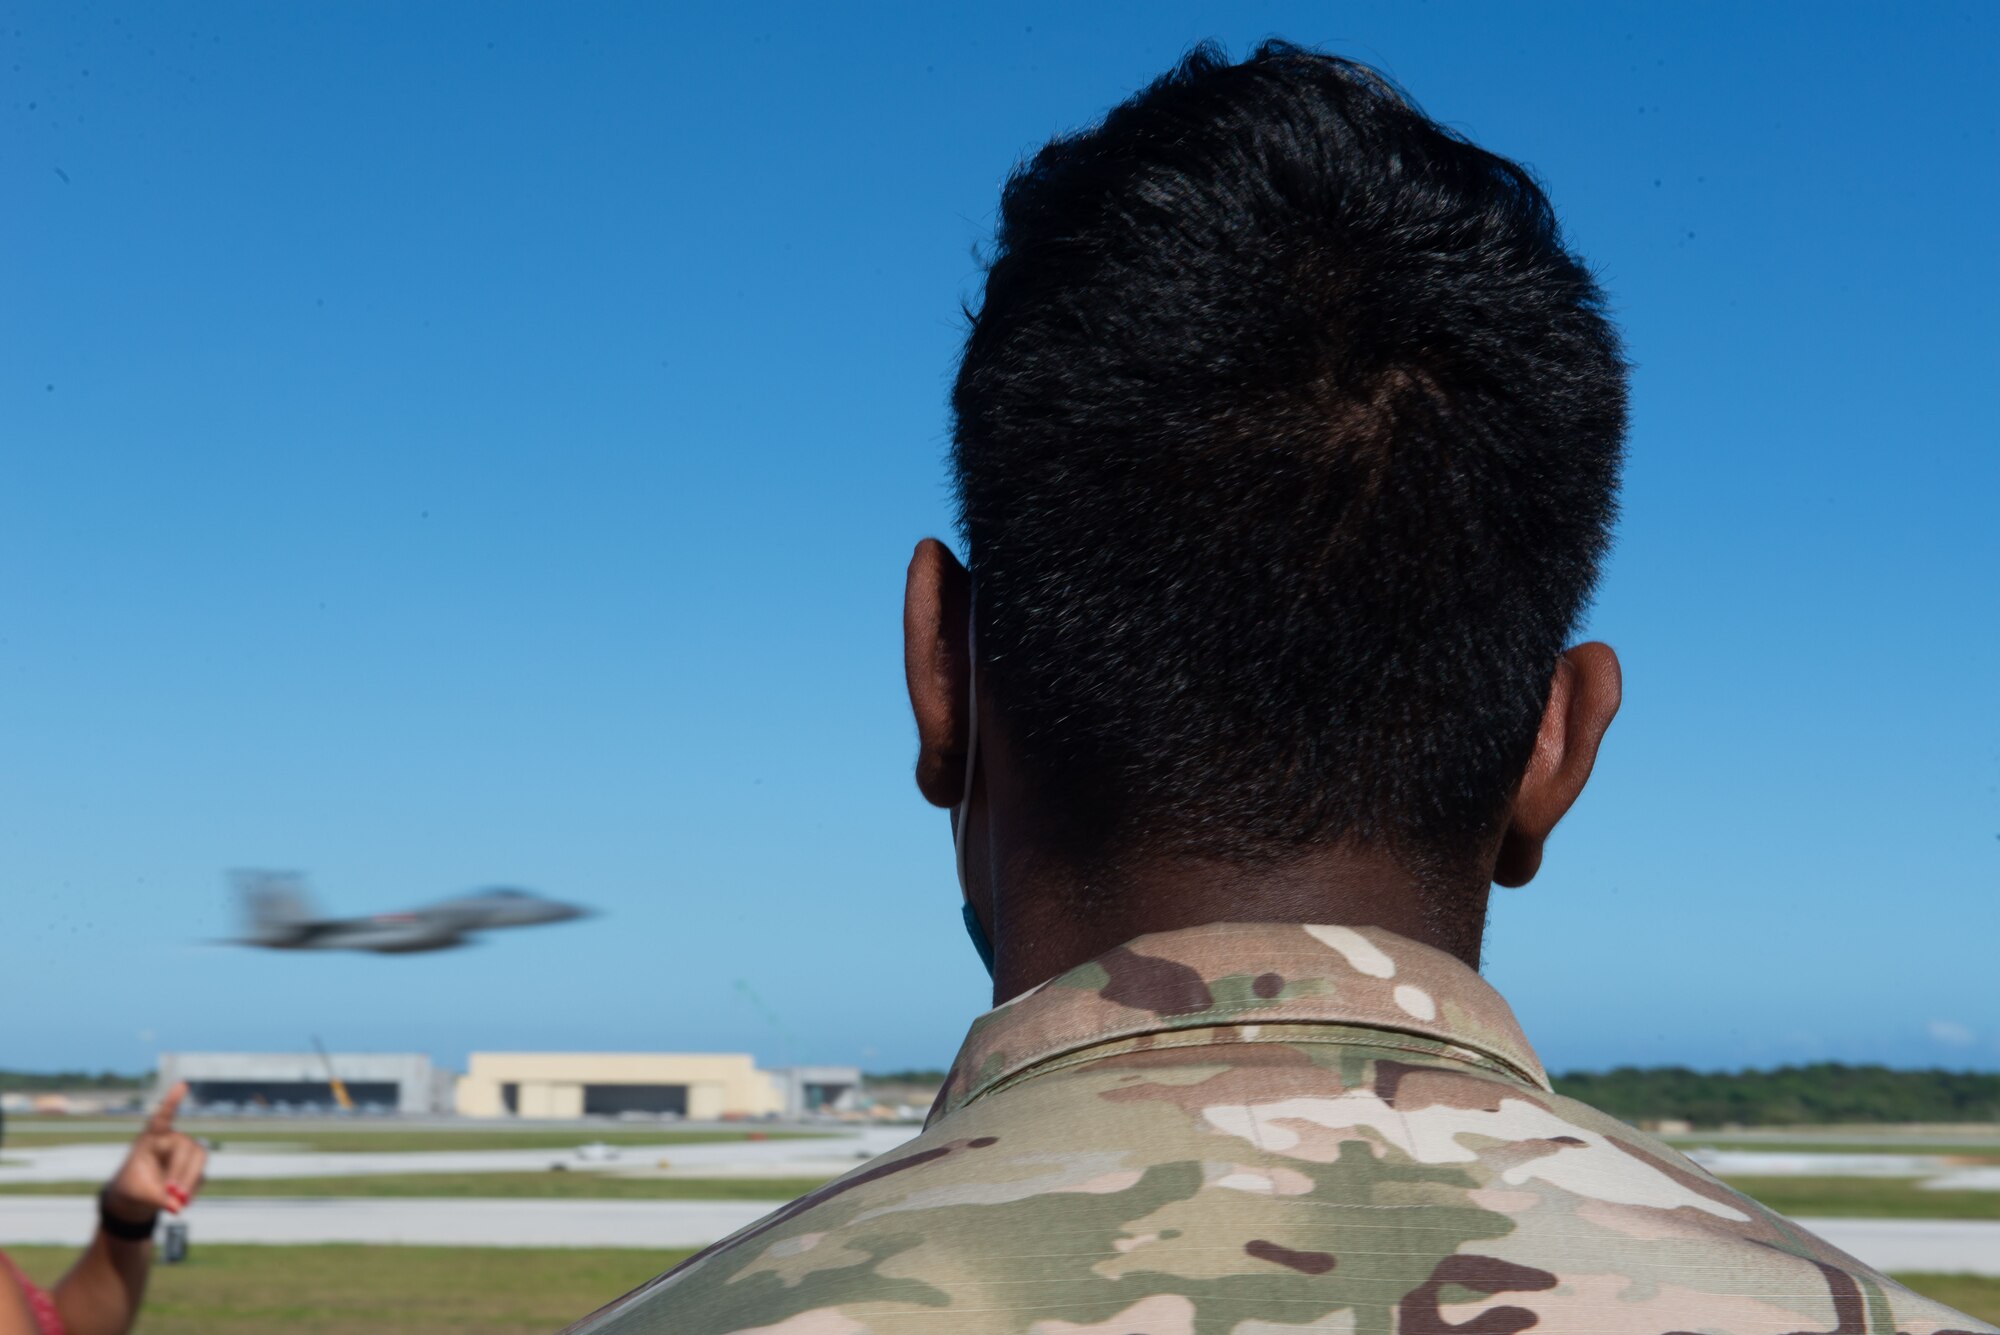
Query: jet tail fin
[{"x": 274, "y": 902}]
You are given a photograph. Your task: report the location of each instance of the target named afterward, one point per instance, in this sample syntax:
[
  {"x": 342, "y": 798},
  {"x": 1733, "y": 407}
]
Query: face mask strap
[{"x": 980, "y": 941}]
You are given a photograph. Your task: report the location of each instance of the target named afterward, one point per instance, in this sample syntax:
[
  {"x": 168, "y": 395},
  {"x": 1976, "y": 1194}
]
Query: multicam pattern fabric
[{"x": 1268, "y": 1129}]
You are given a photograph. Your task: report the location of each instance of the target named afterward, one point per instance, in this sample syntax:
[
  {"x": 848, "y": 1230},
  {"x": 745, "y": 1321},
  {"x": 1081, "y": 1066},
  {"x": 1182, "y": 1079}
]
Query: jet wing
[{"x": 388, "y": 934}]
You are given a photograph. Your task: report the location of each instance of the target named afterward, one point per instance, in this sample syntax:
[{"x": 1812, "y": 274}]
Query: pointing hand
[{"x": 164, "y": 1169}]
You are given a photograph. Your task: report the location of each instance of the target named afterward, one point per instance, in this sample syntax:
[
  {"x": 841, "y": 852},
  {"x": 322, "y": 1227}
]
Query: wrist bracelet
[{"x": 124, "y": 1229}]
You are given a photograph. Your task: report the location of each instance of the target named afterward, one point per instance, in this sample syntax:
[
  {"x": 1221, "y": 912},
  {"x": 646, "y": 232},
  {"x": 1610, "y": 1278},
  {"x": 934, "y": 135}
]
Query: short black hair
[{"x": 1286, "y": 439}]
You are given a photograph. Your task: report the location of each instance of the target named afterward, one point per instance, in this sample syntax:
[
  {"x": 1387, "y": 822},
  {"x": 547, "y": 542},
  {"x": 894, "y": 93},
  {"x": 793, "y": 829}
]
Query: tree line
[
  {"x": 1820, "y": 1093},
  {"x": 1788, "y": 1096},
  {"x": 43, "y": 1082}
]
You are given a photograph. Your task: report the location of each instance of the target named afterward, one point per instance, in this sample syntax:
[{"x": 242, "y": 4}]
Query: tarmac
[
  {"x": 1947, "y": 1246},
  {"x": 1952, "y": 1245},
  {"x": 1968, "y": 1246},
  {"x": 841, "y": 1149},
  {"x": 646, "y": 1225},
  {"x": 1765, "y": 1163}
]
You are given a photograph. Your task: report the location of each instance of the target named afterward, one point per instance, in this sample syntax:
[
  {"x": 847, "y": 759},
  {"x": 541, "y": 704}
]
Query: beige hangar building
[{"x": 700, "y": 1086}]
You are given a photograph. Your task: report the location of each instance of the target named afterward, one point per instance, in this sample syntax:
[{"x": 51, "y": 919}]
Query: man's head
[{"x": 1286, "y": 440}]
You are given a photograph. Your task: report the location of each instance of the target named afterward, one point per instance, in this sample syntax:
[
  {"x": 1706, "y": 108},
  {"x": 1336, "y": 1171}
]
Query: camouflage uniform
[{"x": 1254, "y": 1129}]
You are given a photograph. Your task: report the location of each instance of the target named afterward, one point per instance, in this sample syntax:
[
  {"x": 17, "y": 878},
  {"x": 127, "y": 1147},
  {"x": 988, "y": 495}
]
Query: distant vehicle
[{"x": 280, "y": 916}]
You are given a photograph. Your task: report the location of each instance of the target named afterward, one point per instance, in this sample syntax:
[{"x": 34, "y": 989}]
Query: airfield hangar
[
  {"x": 403, "y": 1082},
  {"x": 700, "y": 1086}
]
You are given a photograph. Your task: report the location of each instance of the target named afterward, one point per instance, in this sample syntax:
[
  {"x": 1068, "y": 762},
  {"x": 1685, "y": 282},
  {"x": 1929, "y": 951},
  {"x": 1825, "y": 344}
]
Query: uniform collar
[{"x": 1245, "y": 975}]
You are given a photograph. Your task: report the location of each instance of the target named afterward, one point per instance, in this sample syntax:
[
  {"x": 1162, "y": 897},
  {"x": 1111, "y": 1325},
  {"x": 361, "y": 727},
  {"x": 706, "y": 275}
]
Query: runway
[
  {"x": 1968, "y": 1246},
  {"x": 645, "y": 1225},
  {"x": 1767, "y": 1163},
  {"x": 1949, "y": 1246},
  {"x": 828, "y": 1156}
]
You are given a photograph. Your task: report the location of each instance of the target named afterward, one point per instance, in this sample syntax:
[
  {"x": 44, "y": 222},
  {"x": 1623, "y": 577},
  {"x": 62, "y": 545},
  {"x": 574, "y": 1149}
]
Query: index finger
[{"x": 162, "y": 1120}]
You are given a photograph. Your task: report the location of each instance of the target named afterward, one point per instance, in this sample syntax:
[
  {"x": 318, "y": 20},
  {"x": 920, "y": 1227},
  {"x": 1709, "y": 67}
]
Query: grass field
[
  {"x": 477, "y": 1291},
  {"x": 1973, "y": 1295},
  {"x": 1866, "y": 1198},
  {"x": 559, "y": 1186},
  {"x": 393, "y": 1140},
  {"x": 224, "y": 1290}
]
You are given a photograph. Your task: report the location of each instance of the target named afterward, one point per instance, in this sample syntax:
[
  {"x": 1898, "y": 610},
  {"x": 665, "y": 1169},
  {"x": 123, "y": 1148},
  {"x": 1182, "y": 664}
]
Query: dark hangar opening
[
  {"x": 610, "y": 1100},
  {"x": 295, "y": 1093}
]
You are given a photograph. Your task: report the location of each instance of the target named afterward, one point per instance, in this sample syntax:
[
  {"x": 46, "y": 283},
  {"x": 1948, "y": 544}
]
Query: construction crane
[
  {"x": 340, "y": 1094},
  {"x": 770, "y": 1017}
]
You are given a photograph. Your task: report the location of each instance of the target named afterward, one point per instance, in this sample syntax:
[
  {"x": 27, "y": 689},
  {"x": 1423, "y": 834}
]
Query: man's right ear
[
  {"x": 937, "y": 666},
  {"x": 1584, "y": 696}
]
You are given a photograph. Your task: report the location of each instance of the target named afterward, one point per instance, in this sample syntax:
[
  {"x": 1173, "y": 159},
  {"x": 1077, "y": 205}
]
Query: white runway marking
[
  {"x": 1962, "y": 1246},
  {"x": 1769, "y": 1163},
  {"x": 829, "y": 1157},
  {"x": 648, "y": 1225}
]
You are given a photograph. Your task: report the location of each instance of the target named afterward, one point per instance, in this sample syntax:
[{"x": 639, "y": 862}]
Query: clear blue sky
[{"x": 454, "y": 444}]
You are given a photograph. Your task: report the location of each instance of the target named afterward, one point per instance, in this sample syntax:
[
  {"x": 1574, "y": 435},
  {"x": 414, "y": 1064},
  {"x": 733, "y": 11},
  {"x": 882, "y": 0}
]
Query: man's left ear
[{"x": 1583, "y": 699}]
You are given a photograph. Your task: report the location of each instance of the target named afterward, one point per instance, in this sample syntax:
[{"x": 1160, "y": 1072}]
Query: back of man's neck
[{"x": 1054, "y": 918}]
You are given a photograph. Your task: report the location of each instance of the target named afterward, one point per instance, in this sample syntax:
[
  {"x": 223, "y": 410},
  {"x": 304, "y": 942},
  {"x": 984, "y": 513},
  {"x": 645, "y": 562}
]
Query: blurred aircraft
[{"x": 281, "y": 917}]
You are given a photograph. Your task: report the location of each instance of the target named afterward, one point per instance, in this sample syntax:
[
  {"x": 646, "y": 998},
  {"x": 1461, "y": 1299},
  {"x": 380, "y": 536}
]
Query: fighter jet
[{"x": 281, "y": 916}]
